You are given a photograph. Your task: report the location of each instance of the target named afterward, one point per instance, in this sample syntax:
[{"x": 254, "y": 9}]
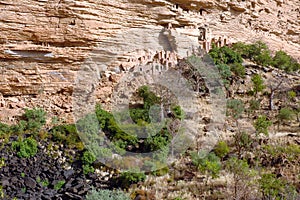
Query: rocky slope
[{"x": 43, "y": 44}]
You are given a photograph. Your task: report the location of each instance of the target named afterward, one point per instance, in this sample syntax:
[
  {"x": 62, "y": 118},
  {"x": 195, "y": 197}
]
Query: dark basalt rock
[
  {"x": 34, "y": 178},
  {"x": 30, "y": 182}
]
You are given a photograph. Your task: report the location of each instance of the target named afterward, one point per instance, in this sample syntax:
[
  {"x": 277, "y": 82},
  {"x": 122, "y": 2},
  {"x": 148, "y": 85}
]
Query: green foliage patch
[
  {"x": 25, "y": 148},
  {"x": 207, "y": 163},
  {"x": 261, "y": 125},
  {"x": 127, "y": 178}
]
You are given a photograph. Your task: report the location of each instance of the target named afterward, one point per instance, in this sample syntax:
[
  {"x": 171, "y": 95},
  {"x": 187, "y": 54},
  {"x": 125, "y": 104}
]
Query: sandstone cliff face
[{"x": 43, "y": 44}]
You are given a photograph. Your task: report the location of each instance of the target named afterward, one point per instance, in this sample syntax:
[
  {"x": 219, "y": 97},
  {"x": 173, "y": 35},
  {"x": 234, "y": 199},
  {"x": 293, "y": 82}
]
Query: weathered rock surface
[{"x": 43, "y": 44}]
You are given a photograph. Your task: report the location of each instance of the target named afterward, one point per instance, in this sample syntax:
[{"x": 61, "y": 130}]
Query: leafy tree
[
  {"x": 282, "y": 60},
  {"x": 258, "y": 84},
  {"x": 242, "y": 49},
  {"x": 261, "y": 125},
  {"x": 264, "y": 58},
  {"x": 225, "y": 55},
  {"x": 256, "y": 49}
]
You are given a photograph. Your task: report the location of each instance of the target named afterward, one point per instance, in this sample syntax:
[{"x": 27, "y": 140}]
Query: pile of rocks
[{"x": 44, "y": 177}]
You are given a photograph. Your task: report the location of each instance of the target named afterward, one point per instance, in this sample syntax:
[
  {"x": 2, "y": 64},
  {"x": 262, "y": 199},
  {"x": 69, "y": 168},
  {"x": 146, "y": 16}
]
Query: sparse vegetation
[
  {"x": 261, "y": 125},
  {"x": 285, "y": 115},
  {"x": 242, "y": 176},
  {"x": 59, "y": 184},
  {"x": 106, "y": 195}
]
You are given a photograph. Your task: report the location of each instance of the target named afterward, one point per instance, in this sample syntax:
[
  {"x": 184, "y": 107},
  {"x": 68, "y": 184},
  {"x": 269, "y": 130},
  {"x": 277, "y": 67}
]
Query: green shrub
[
  {"x": 102, "y": 116},
  {"x": 158, "y": 141},
  {"x": 235, "y": 108},
  {"x": 87, "y": 169},
  {"x": 45, "y": 183},
  {"x": 88, "y": 126},
  {"x": 209, "y": 163},
  {"x": 291, "y": 151},
  {"x": 106, "y": 195},
  {"x": 242, "y": 140},
  {"x": 256, "y": 49},
  {"x": 264, "y": 58},
  {"x": 67, "y": 134},
  {"x": 34, "y": 118},
  {"x": 221, "y": 149},
  {"x": 2, "y": 194},
  {"x": 148, "y": 96},
  {"x": 261, "y": 125},
  {"x": 4, "y": 129},
  {"x": 285, "y": 114},
  {"x": 238, "y": 70},
  {"x": 272, "y": 187},
  {"x": 59, "y": 184},
  {"x": 285, "y": 62},
  {"x": 127, "y": 178},
  {"x": 225, "y": 73},
  {"x": 258, "y": 84},
  {"x": 178, "y": 112},
  {"x": 225, "y": 55},
  {"x": 138, "y": 114},
  {"x": 5, "y": 132},
  {"x": 254, "y": 105},
  {"x": 2, "y": 162},
  {"x": 88, "y": 157},
  {"x": 25, "y": 148},
  {"x": 291, "y": 95}
]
